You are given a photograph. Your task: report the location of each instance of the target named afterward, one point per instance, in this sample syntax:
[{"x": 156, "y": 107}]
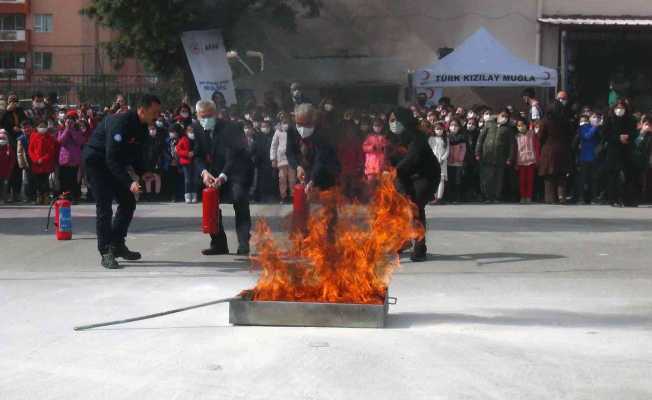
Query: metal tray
[{"x": 284, "y": 313}]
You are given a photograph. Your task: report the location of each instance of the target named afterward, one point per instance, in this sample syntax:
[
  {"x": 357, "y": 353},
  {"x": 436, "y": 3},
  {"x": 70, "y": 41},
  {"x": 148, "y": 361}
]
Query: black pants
[
  {"x": 42, "y": 183},
  {"x": 68, "y": 181},
  {"x": 420, "y": 191},
  {"x": 16, "y": 181},
  {"x": 106, "y": 188},
  {"x": 587, "y": 181},
  {"x": 492, "y": 178},
  {"x": 171, "y": 179},
  {"x": 240, "y": 195},
  {"x": 455, "y": 181}
]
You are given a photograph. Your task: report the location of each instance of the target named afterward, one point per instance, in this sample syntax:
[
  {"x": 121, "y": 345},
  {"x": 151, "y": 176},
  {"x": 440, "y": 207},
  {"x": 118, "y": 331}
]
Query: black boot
[
  {"x": 121, "y": 251},
  {"x": 109, "y": 261},
  {"x": 243, "y": 250},
  {"x": 213, "y": 251}
]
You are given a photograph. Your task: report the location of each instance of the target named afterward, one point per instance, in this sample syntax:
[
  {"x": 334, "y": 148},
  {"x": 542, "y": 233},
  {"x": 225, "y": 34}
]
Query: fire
[{"x": 348, "y": 257}]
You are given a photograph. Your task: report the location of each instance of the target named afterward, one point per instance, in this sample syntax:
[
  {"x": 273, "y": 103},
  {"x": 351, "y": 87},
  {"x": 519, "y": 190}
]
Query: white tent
[{"x": 482, "y": 61}]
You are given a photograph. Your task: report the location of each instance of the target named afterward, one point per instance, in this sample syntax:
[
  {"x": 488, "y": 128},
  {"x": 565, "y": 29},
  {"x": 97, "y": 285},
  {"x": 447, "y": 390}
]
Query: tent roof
[{"x": 483, "y": 61}]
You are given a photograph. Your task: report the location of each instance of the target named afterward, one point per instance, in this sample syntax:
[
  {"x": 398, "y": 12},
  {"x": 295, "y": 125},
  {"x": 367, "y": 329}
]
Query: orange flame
[{"x": 347, "y": 255}]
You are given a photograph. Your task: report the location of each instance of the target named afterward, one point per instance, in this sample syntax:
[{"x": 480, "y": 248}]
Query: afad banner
[
  {"x": 427, "y": 78},
  {"x": 210, "y": 67}
]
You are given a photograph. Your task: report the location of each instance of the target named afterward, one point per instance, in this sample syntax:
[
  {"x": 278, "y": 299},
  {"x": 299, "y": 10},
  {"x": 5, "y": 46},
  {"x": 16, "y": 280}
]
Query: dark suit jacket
[
  {"x": 224, "y": 152},
  {"x": 316, "y": 155}
]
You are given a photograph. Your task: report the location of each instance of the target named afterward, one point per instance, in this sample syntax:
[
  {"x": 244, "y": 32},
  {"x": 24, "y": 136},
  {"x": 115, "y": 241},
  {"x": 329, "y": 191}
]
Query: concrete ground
[{"x": 516, "y": 302}]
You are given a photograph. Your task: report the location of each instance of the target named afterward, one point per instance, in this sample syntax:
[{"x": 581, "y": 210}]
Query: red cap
[{"x": 72, "y": 114}]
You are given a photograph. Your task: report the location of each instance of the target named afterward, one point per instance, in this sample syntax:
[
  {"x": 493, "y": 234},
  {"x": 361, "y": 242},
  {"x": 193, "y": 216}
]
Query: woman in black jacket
[
  {"x": 417, "y": 168},
  {"x": 619, "y": 134}
]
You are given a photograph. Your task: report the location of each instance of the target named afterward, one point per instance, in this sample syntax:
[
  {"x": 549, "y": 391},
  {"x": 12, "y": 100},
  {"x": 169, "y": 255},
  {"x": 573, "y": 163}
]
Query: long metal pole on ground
[{"x": 150, "y": 316}]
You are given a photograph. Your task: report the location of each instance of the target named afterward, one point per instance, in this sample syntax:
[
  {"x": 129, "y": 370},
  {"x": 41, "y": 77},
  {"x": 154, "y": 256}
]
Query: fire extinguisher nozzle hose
[{"x": 150, "y": 316}]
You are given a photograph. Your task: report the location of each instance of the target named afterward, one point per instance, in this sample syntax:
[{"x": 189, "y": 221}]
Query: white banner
[
  {"x": 432, "y": 95},
  {"x": 426, "y": 78},
  {"x": 210, "y": 67}
]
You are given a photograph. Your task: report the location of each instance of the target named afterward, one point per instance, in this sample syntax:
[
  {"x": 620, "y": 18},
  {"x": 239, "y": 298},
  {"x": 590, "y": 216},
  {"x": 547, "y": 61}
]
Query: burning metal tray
[{"x": 243, "y": 311}]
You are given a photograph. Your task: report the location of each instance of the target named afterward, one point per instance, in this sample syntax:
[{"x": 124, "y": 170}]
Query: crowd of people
[{"x": 561, "y": 153}]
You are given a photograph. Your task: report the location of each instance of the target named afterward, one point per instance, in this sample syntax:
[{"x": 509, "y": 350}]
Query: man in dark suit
[{"x": 224, "y": 161}]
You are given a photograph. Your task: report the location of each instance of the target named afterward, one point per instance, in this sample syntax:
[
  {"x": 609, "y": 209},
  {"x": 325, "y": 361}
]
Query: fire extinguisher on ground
[
  {"x": 211, "y": 211},
  {"x": 62, "y": 217}
]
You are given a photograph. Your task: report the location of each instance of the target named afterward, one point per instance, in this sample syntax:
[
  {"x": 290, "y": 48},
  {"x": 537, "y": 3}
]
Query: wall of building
[{"x": 405, "y": 35}]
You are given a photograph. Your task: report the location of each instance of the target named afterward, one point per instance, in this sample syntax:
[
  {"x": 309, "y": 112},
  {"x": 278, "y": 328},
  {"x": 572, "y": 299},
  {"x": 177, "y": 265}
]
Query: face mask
[
  {"x": 296, "y": 94},
  {"x": 39, "y": 105},
  {"x": 4, "y": 142},
  {"x": 62, "y": 116},
  {"x": 159, "y": 124},
  {"x": 619, "y": 112},
  {"x": 285, "y": 127},
  {"x": 265, "y": 130},
  {"x": 256, "y": 125},
  {"x": 563, "y": 102},
  {"x": 152, "y": 132},
  {"x": 42, "y": 130},
  {"x": 522, "y": 129},
  {"x": 439, "y": 132},
  {"x": 595, "y": 121},
  {"x": 396, "y": 127},
  {"x": 173, "y": 135},
  {"x": 501, "y": 120},
  {"x": 582, "y": 123},
  {"x": 486, "y": 117},
  {"x": 328, "y": 107},
  {"x": 184, "y": 114},
  {"x": 454, "y": 129},
  {"x": 378, "y": 129},
  {"x": 536, "y": 130},
  {"x": 207, "y": 123},
  {"x": 305, "y": 132},
  {"x": 448, "y": 118},
  {"x": 470, "y": 127},
  {"x": 191, "y": 135},
  {"x": 249, "y": 132},
  {"x": 470, "y": 115}
]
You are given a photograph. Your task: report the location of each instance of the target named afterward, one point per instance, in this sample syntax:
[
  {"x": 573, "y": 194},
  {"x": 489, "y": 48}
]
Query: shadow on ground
[
  {"x": 494, "y": 258},
  {"x": 522, "y": 317}
]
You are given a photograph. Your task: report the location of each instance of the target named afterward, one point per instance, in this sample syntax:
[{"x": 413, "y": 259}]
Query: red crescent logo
[
  {"x": 426, "y": 75},
  {"x": 431, "y": 93}
]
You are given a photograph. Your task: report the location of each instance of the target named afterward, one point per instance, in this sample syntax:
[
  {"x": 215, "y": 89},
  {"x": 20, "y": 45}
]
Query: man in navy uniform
[{"x": 112, "y": 158}]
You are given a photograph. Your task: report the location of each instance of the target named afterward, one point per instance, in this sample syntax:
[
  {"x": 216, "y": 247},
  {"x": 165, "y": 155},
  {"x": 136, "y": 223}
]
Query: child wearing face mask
[
  {"x": 440, "y": 145},
  {"x": 170, "y": 164},
  {"x": 70, "y": 139},
  {"x": 7, "y": 163},
  {"x": 42, "y": 154},
  {"x": 287, "y": 176},
  {"x": 375, "y": 148},
  {"x": 588, "y": 138},
  {"x": 527, "y": 150},
  {"x": 459, "y": 149},
  {"x": 267, "y": 186},
  {"x": 152, "y": 161},
  {"x": 472, "y": 168},
  {"x": 186, "y": 152}
]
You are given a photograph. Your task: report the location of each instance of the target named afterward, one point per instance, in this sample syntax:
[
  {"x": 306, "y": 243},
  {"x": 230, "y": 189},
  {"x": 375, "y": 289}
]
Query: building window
[
  {"x": 42, "y": 61},
  {"x": 12, "y": 60},
  {"x": 43, "y": 23},
  {"x": 11, "y": 22}
]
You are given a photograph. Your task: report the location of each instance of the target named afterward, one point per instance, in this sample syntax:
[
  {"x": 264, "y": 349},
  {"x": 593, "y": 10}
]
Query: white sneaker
[
  {"x": 188, "y": 198},
  {"x": 193, "y": 197}
]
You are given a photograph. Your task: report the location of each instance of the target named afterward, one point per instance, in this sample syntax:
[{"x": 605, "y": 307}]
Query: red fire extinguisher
[
  {"x": 62, "y": 217},
  {"x": 300, "y": 208},
  {"x": 211, "y": 211}
]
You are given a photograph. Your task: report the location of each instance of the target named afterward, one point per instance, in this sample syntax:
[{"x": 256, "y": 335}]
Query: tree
[{"x": 151, "y": 30}]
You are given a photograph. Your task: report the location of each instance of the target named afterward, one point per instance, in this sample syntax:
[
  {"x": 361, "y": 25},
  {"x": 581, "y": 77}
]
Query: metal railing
[{"x": 93, "y": 89}]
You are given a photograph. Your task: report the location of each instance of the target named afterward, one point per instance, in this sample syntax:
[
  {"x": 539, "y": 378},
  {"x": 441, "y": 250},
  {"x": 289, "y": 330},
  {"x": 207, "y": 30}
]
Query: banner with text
[{"x": 210, "y": 67}]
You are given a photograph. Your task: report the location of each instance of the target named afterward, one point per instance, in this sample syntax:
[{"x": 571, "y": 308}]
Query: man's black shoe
[
  {"x": 121, "y": 251},
  {"x": 418, "y": 257},
  {"x": 109, "y": 261},
  {"x": 214, "y": 252},
  {"x": 243, "y": 251}
]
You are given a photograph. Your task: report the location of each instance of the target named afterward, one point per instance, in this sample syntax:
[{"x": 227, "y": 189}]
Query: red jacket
[
  {"x": 42, "y": 153},
  {"x": 184, "y": 147},
  {"x": 7, "y": 161}
]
